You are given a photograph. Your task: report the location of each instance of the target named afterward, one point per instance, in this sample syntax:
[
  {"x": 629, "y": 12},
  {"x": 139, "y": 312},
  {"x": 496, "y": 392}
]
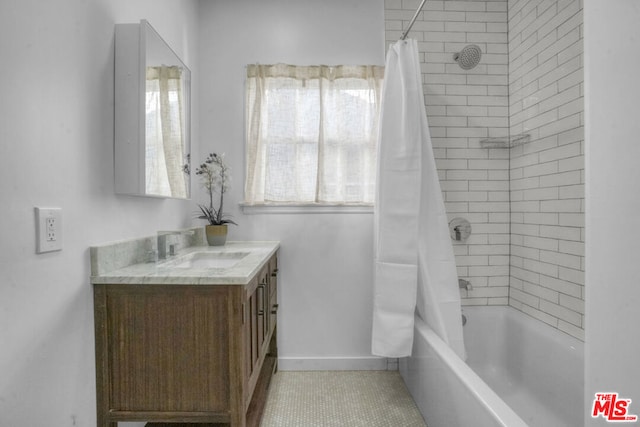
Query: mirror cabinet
[{"x": 152, "y": 115}]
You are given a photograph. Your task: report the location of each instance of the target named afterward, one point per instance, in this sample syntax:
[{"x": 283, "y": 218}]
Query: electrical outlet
[
  {"x": 48, "y": 230},
  {"x": 51, "y": 228}
]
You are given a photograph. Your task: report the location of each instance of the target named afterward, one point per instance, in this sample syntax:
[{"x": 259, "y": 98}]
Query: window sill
[{"x": 273, "y": 208}]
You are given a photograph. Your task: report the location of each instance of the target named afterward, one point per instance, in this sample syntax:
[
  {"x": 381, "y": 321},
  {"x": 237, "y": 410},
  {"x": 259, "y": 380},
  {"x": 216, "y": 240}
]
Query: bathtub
[{"x": 519, "y": 372}]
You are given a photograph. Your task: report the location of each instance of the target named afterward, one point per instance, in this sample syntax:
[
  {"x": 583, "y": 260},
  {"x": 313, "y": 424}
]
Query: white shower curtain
[{"x": 414, "y": 261}]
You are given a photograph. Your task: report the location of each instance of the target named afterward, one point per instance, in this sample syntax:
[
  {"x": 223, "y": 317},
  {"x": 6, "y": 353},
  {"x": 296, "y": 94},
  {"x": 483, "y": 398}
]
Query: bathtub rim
[{"x": 498, "y": 409}]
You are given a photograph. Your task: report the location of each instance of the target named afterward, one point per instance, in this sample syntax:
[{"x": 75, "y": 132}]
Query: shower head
[{"x": 468, "y": 57}]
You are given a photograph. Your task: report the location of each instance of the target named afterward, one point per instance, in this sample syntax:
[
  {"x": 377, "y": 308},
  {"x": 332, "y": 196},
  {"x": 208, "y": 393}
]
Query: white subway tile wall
[
  {"x": 525, "y": 204},
  {"x": 463, "y": 107},
  {"x": 547, "y": 174}
]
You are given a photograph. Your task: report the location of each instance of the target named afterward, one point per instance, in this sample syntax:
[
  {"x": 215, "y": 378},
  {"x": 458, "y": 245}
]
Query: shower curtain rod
[{"x": 413, "y": 20}]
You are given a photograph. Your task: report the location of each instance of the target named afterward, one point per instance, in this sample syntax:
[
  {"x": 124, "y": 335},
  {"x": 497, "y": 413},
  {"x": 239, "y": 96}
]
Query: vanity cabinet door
[
  {"x": 253, "y": 348},
  {"x": 260, "y": 340},
  {"x": 257, "y": 324},
  {"x": 273, "y": 294},
  {"x": 263, "y": 310},
  {"x": 166, "y": 348}
]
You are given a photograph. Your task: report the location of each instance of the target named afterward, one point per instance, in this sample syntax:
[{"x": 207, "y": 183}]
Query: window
[{"x": 311, "y": 134}]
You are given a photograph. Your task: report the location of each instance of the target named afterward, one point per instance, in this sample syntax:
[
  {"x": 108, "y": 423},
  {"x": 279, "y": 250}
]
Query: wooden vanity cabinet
[{"x": 186, "y": 353}]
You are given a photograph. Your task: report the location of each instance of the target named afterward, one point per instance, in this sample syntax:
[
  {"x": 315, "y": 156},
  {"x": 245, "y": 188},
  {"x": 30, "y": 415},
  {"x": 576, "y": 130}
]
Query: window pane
[
  {"x": 312, "y": 137},
  {"x": 291, "y": 172}
]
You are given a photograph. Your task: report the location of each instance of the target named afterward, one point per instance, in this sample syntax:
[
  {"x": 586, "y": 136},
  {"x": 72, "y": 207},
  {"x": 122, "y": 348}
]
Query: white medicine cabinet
[{"x": 152, "y": 115}]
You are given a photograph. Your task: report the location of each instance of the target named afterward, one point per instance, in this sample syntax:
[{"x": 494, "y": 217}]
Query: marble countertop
[{"x": 166, "y": 271}]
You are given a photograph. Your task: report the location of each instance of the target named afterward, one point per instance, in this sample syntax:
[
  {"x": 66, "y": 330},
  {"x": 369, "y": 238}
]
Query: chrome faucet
[{"x": 162, "y": 242}]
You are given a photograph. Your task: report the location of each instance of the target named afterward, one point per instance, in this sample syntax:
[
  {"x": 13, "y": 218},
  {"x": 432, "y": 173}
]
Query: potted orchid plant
[{"x": 214, "y": 176}]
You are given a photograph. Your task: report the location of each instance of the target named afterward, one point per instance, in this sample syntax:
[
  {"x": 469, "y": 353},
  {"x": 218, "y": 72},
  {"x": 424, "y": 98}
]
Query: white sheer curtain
[
  {"x": 165, "y": 132},
  {"x": 311, "y": 134}
]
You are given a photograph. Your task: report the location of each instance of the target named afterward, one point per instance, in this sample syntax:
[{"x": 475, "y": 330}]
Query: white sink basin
[{"x": 204, "y": 260}]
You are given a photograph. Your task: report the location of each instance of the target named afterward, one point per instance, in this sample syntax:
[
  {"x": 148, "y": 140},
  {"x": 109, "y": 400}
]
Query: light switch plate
[{"x": 48, "y": 229}]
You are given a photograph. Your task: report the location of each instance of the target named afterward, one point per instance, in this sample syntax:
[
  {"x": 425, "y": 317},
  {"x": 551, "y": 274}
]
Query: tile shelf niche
[{"x": 505, "y": 141}]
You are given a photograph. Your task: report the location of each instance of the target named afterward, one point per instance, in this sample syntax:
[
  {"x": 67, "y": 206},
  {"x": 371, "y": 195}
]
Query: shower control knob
[{"x": 460, "y": 229}]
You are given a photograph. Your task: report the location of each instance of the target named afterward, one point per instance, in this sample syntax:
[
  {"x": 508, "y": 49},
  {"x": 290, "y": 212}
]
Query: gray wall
[{"x": 325, "y": 290}]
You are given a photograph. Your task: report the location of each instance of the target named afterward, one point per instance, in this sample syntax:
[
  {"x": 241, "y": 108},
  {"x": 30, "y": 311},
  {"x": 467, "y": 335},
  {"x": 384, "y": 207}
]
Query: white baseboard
[{"x": 332, "y": 363}]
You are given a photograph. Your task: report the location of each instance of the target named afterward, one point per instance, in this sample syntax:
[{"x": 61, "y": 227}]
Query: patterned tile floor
[{"x": 340, "y": 399}]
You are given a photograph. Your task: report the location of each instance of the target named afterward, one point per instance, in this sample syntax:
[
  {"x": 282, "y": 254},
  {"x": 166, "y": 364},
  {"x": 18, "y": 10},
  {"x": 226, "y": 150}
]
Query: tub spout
[{"x": 465, "y": 284}]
